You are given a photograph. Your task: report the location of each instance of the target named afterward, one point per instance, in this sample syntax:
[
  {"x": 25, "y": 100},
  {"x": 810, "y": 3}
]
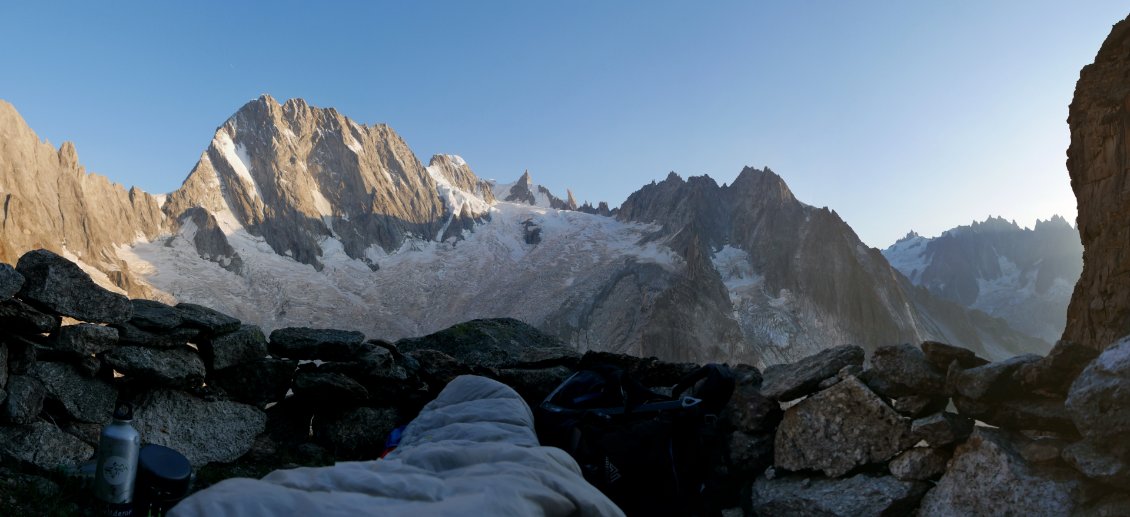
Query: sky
[{"x": 897, "y": 115}]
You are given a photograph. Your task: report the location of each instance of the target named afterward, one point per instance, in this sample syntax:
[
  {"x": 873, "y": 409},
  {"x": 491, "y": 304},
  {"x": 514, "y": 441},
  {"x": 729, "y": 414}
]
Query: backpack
[{"x": 651, "y": 454}]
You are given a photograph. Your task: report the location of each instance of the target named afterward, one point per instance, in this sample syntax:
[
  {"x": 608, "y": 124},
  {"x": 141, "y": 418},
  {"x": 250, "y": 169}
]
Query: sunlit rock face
[
  {"x": 48, "y": 200},
  {"x": 295, "y": 174},
  {"x": 1099, "y": 164}
]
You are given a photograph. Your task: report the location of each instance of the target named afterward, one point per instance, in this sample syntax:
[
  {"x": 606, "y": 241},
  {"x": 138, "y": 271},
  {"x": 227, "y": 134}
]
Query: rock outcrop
[
  {"x": 1099, "y": 164},
  {"x": 47, "y": 200}
]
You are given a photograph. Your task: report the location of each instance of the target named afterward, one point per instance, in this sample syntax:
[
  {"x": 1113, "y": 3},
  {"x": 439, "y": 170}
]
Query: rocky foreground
[{"x": 931, "y": 428}]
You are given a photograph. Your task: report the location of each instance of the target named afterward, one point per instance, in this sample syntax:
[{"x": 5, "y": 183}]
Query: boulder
[
  {"x": 245, "y": 345},
  {"x": 328, "y": 388},
  {"x": 209, "y": 321},
  {"x": 941, "y": 355},
  {"x": 21, "y": 318},
  {"x": 308, "y": 343},
  {"x": 785, "y": 382},
  {"x": 1099, "y": 399},
  {"x": 987, "y": 476},
  {"x": 919, "y": 464},
  {"x": 152, "y": 315},
  {"x": 493, "y": 343},
  {"x": 1021, "y": 413},
  {"x": 839, "y": 429},
  {"x": 174, "y": 367},
  {"x": 1104, "y": 462},
  {"x": 83, "y": 398},
  {"x": 10, "y": 282},
  {"x": 22, "y": 353},
  {"x": 130, "y": 335},
  {"x": 1053, "y": 374},
  {"x": 856, "y": 496},
  {"x": 991, "y": 381},
  {"x": 58, "y": 285},
  {"x": 356, "y": 434},
  {"x": 25, "y": 399},
  {"x": 901, "y": 371},
  {"x": 84, "y": 339},
  {"x": 257, "y": 383},
  {"x": 203, "y": 431},
  {"x": 42, "y": 444},
  {"x": 941, "y": 429}
]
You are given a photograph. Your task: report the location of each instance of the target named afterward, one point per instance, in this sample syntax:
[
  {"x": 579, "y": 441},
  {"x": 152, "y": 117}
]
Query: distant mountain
[
  {"x": 1024, "y": 276},
  {"x": 298, "y": 216}
]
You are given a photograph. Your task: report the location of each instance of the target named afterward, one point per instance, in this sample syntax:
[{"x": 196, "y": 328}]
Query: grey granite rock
[
  {"x": 987, "y": 476},
  {"x": 839, "y": 429},
  {"x": 309, "y": 343},
  {"x": 1099, "y": 399},
  {"x": 177, "y": 367},
  {"x": 785, "y": 382},
  {"x": 58, "y": 285},
  {"x": 83, "y": 398},
  {"x": 861, "y": 495},
  {"x": 204, "y": 432},
  {"x": 245, "y": 345},
  {"x": 43, "y": 445},
  {"x": 84, "y": 339},
  {"x": 25, "y": 399},
  {"x": 10, "y": 282}
]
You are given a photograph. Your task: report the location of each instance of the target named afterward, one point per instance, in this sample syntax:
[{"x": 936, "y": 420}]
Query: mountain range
[
  {"x": 1025, "y": 276},
  {"x": 299, "y": 216}
]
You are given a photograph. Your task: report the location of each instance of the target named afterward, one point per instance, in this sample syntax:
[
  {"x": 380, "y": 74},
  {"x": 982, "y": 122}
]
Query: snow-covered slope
[
  {"x": 424, "y": 286},
  {"x": 1025, "y": 276}
]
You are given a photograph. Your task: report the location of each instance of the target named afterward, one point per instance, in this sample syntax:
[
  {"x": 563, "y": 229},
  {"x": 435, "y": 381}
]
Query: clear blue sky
[{"x": 898, "y": 115}]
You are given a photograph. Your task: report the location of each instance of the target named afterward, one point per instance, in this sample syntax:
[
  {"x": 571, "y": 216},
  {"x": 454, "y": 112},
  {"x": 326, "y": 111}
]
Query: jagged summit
[
  {"x": 525, "y": 191},
  {"x": 295, "y": 174}
]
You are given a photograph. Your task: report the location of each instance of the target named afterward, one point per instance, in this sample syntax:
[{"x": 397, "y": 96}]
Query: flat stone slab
[
  {"x": 83, "y": 398},
  {"x": 785, "y": 382},
  {"x": 58, "y": 285},
  {"x": 180, "y": 367},
  {"x": 855, "y": 496},
  {"x": 310, "y": 343},
  {"x": 203, "y": 431},
  {"x": 43, "y": 445}
]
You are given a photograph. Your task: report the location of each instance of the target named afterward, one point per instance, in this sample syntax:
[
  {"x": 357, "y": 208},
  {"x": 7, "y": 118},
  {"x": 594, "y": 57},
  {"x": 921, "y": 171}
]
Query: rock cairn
[{"x": 930, "y": 428}]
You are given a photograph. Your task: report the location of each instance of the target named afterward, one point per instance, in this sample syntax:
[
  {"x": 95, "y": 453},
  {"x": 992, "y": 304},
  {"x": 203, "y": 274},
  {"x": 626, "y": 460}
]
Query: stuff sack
[{"x": 651, "y": 454}]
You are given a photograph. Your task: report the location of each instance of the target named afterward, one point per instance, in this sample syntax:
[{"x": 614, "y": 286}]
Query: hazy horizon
[{"x": 900, "y": 118}]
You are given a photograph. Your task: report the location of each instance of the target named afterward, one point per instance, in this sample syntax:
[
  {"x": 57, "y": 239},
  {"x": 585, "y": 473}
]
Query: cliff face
[
  {"x": 47, "y": 200},
  {"x": 794, "y": 278},
  {"x": 294, "y": 174},
  {"x": 1099, "y": 164}
]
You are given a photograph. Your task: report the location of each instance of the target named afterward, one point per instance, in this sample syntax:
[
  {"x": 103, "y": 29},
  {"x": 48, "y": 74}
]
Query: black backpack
[{"x": 651, "y": 454}]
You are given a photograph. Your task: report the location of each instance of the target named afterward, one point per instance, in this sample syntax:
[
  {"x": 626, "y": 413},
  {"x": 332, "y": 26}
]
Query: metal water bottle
[{"x": 116, "y": 471}]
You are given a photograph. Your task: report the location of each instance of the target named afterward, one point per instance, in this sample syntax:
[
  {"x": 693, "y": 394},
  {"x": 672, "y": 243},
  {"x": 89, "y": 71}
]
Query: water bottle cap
[{"x": 124, "y": 411}]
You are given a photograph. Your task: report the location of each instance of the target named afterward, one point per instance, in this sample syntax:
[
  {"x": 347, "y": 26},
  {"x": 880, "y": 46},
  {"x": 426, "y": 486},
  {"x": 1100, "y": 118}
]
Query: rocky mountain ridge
[
  {"x": 292, "y": 209},
  {"x": 1022, "y": 275}
]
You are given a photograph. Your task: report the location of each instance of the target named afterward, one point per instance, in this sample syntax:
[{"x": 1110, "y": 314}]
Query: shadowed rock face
[
  {"x": 293, "y": 174},
  {"x": 1099, "y": 164},
  {"x": 799, "y": 265}
]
